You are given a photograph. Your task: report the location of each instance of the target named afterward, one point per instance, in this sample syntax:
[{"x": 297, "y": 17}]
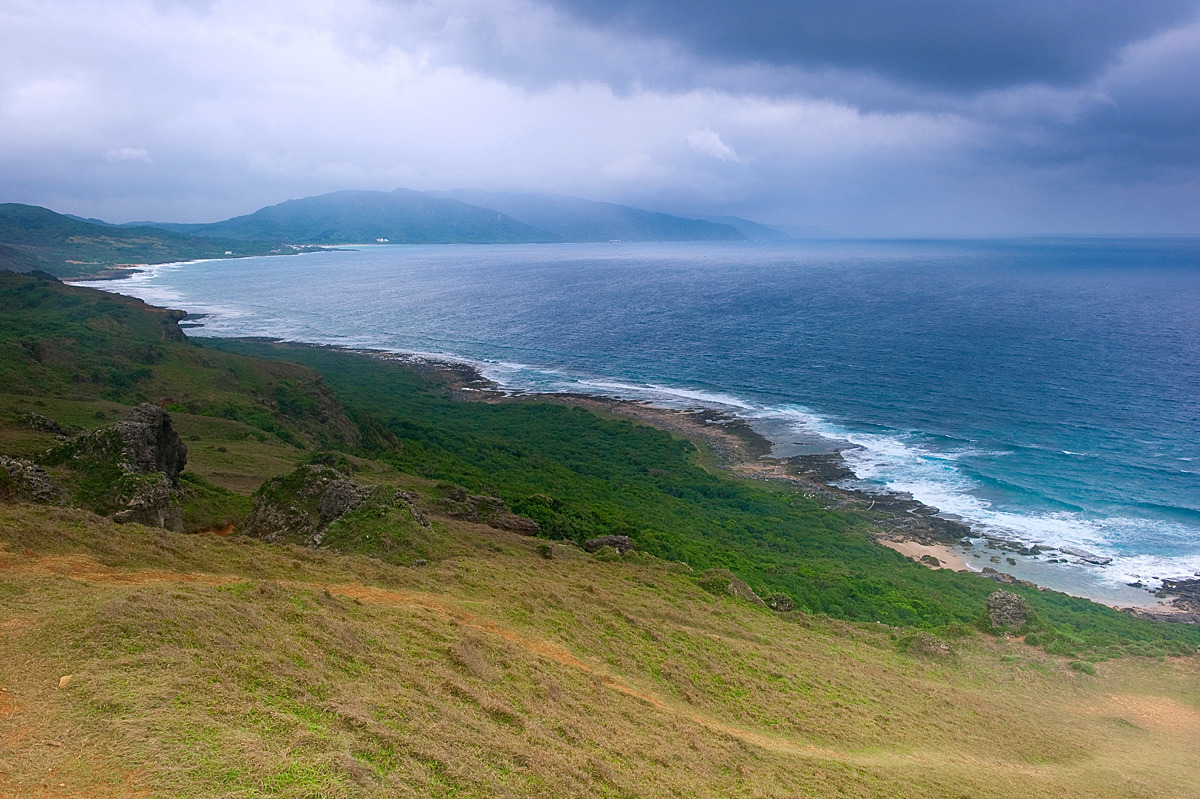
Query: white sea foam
[{"x": 893, "y": 462}]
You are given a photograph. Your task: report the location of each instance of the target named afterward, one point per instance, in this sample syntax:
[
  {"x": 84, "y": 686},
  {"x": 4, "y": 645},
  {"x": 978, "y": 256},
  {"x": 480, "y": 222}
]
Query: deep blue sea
[{"x": 1047, "y": 391}]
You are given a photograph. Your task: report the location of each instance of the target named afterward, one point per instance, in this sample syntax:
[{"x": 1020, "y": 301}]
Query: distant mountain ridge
[
  {"x": 359, "y": 217},
  {"x": 575, "y": 219},
  {"x": 470, "y": 217},
  {"x": 32, "y": 237},
  {"x": 754, "y": 231}
]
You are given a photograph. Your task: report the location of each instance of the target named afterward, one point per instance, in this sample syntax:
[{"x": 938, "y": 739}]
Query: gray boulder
[
  {"x": 491, "y": 511},
  {"x": 140, "y": 458},
  {"x": 299, "y": 508},
  {"x": 150, "y": 444},
  {"x": 781, "y": 602},
  {"x": 155, "y": 502},
  {"x": 25, "y": 481},
  {"x": 43, "y": 424},
  {"x": 1008, "y": 612},
  {"x": 621, "y": 543},
  {"x": 723, "y": 581},
  {"x": 929, "y": 646}
]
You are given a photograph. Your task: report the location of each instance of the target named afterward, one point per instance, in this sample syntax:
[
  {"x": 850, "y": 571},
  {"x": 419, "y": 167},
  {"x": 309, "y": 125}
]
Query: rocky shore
[
  {"x": 901, "y": 522},
  {"x": 736, "y": 447}
]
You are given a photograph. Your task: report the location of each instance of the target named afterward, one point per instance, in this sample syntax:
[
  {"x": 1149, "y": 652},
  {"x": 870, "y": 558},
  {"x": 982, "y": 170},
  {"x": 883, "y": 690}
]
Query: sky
[{"x": 871, "y": 118}]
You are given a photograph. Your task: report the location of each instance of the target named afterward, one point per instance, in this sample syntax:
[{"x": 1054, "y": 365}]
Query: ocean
[{"x": 1044, "y": 391}]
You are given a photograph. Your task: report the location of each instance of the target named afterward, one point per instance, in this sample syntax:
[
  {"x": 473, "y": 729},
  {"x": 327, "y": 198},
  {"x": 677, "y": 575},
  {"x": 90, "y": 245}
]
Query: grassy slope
[
  {"x": 83, "y": 357},
  {"x": 204, "y": 666},
  {"x": 248, "y": 418}
]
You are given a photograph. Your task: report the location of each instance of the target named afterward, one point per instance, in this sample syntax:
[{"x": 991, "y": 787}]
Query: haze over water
[{"x": 1046, "y": 391}]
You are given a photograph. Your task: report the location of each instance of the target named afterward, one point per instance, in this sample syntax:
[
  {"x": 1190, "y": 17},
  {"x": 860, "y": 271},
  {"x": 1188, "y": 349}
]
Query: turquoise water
[{"x": 1045, "y": 391}]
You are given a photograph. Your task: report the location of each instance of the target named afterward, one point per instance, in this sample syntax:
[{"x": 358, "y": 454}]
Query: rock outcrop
[
  {"x": 492, "y": 511},
  {"x": 300, "y": 507},
  {"x": 1008, "y": 612},
  {"x": 621, "y": 543},
  {"x": 781, "y": 602},
  {"x": 140, "y": 458},
  {"x": 1187, "y": 591},
  {"x": 153, "y": 501},
  {"x": 149, "y": 443},
  {"x": 928, "y": 646},
  {"x": 1004, "y": 578},
  {"x": 723, "y": 581},
  {"x": 43, "y": 424},
  {"x": 25, "y": 481},
  {"x": 1172, "y": 615}
]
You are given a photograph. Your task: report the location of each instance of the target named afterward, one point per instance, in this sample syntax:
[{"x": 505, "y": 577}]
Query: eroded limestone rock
[
  {"x": 1008, "y": 612},
  {"x": 25, "y": 481},
  {"x": 299, "y": 507}
]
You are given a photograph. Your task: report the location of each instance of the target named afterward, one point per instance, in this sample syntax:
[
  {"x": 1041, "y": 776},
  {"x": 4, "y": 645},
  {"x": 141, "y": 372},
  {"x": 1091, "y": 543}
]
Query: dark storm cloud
[
  {"x": 919, "y": 118},
  {"x": 949, "y": 44}
]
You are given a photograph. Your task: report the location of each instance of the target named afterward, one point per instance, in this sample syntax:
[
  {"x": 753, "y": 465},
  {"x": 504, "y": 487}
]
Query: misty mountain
[
  {"x": 32, "y": 237},
  {"x": 751, "y": 230},
  {"x": 477, "y": 217},
  {"x": 575, "y": 219},
  {"x": 350, "y": 217}
]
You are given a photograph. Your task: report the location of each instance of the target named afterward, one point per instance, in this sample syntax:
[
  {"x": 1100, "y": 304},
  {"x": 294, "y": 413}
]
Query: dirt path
[
  {"x": 87, "y": 569},
  {"x": 1159, "y": 714}
]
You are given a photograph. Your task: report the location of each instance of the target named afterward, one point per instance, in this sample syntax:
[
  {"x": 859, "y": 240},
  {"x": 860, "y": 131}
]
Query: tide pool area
[{"x": 1045, "y": 392}]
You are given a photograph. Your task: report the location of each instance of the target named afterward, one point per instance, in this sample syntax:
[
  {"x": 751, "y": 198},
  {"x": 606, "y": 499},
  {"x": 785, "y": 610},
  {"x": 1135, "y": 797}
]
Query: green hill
[
  {"x": 32, "y": 237},
  {"x": 67, "y": 246}
]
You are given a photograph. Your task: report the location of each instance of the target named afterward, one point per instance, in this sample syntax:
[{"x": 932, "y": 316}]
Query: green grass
[
  {"x": 496, "y": 672},
  {"x": 63, "y": 344}
]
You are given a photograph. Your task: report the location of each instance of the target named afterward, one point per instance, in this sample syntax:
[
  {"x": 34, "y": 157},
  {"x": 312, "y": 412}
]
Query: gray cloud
[
  {"x": 947, "y": 44},
  {"x": 194, "y": 111}
]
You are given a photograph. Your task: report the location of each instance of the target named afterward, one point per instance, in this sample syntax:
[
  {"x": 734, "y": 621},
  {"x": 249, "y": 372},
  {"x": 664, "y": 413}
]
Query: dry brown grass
[{"x": 208, "y": 666}]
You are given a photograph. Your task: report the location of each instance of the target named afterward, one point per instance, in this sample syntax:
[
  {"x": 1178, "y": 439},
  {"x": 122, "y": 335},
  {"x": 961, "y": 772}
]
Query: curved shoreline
[{"x": 902, "y": 523}]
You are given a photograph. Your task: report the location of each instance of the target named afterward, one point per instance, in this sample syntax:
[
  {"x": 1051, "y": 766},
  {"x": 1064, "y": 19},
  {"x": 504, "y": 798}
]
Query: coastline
[
  {"x": 901, "y": 523},
  {"x": 125, "y": 271},
  {"x": 1063, "y": 494}
]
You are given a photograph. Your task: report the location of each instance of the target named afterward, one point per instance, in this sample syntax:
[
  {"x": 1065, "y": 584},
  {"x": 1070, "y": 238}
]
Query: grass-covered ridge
[
  {"x": 208, "y": 667},
  {"x": 32, "y": 237}
]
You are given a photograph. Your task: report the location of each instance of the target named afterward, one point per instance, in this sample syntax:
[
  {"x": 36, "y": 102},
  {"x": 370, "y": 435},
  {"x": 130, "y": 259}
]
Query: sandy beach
[{"x": 945, "y": 558}]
